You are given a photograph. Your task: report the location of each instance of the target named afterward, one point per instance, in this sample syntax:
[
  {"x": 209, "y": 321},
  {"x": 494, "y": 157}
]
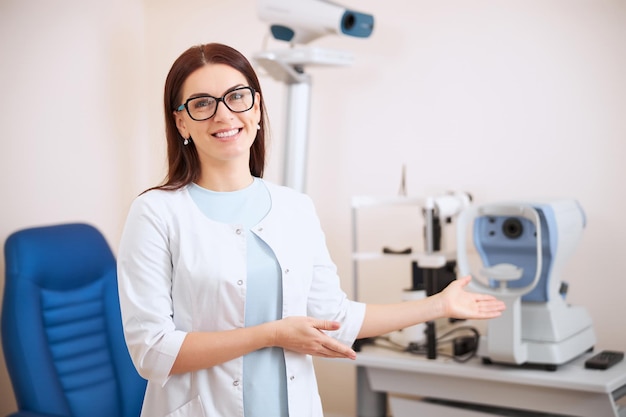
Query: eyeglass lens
[{"x": 239, "y": 100}]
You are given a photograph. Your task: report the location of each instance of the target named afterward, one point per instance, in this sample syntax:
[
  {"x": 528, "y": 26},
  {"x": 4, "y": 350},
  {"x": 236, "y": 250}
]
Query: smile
[{"x": 226, "y": 134}]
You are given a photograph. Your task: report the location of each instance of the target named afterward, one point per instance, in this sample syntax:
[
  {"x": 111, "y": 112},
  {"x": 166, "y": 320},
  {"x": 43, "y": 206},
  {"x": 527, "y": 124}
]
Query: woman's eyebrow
[{"x": 196, "y": 95}]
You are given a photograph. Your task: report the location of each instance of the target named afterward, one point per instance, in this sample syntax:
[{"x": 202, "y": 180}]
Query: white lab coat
[{"x": 181, "y": 272}]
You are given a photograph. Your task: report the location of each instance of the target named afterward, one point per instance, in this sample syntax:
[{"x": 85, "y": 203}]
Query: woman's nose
[{"x": 222, "y": 112}]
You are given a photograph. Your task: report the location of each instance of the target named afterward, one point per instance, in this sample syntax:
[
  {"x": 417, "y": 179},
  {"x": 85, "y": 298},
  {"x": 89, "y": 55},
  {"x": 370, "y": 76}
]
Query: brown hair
[{"x": 183, "y": 161}]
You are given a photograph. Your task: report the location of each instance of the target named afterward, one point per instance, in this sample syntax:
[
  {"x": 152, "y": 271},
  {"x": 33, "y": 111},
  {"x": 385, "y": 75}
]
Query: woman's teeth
[{"x": 227, "y": 134}]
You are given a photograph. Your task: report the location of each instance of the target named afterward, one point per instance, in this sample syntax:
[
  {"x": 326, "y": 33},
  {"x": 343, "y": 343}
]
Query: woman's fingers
[{"x": 306, "y": 335}]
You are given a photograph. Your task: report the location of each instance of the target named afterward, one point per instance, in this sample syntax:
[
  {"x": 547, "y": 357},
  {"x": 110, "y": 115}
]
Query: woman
[{"x": 227, "y": 289}]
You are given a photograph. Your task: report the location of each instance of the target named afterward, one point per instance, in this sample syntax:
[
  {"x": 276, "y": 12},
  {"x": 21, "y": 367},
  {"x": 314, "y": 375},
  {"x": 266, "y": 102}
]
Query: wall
[
  {"x": 70, "y": 111},
  {"x": 506, "y": 100}
]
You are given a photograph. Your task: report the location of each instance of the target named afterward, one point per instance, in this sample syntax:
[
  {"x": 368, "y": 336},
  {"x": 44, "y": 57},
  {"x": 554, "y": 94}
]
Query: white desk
[{"x": 571, "y": 390}]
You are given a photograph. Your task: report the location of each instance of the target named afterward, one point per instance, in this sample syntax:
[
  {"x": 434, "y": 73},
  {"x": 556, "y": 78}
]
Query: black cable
[
  {"x": 422, "y": 348},
  {"x": 468, "y": 355}
]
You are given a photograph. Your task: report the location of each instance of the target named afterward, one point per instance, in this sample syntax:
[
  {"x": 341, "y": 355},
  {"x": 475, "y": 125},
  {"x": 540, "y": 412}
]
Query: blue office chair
[{"x": 61, "y": 326}]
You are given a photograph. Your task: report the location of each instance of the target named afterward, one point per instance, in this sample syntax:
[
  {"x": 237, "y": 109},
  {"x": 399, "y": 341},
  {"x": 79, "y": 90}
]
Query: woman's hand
[
  {"x": 305, "y": 335},
  {"x": 459, "y": 303}
]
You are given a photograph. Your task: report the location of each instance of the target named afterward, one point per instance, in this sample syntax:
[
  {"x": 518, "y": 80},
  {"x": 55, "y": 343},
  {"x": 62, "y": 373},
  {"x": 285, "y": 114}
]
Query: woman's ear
[
  {"x": 257, "y": 106},
  {"x": 181, "y": 124}
]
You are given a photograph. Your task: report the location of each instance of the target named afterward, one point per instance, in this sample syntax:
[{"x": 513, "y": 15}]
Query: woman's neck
[{"x": 220, "y": 181}]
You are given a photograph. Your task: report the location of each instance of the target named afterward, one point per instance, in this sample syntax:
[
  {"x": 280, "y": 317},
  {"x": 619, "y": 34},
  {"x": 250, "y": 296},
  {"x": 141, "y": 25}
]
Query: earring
[
  {"x": 186, "y": 141},
  {"x": 258, "y": 126}
]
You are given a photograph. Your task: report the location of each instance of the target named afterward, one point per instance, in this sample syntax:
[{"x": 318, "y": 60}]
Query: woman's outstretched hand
[
  {"x": 306, "y": 335},
  {"x": 459, "y": 303}
]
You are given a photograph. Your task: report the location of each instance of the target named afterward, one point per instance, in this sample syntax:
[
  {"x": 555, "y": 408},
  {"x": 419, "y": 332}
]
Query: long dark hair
[{"x": 183, "y": 161}]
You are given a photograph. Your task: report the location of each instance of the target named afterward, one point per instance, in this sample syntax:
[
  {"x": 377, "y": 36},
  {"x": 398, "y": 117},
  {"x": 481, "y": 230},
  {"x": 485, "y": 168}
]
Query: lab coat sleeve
[
  {"x": 145, "y": 282},
  {"x": 327, "y": 300}
]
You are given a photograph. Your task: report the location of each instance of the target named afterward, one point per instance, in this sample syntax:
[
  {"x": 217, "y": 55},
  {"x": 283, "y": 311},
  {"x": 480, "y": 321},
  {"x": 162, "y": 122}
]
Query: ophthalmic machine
[
  {"x": 299, "y": 22},
  {"x": 522, "y": 250}
]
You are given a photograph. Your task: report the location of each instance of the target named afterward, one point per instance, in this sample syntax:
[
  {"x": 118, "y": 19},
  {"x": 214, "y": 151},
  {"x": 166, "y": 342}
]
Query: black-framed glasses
[{"x": 204, "y": 107}]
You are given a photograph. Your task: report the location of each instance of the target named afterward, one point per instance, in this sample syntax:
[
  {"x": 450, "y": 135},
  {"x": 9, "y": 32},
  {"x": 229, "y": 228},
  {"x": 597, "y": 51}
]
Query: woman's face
[{"x": 226, "y": 137}]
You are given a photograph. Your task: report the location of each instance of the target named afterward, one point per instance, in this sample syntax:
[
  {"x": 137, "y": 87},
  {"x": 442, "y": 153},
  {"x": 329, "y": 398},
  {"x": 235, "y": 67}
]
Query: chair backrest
[{"x": 61, "y": 325}]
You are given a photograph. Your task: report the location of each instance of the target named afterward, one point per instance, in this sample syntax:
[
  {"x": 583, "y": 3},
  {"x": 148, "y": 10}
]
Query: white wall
[
  {"x": 506, "y": 100},
  {"x": 70, "y": 111}
]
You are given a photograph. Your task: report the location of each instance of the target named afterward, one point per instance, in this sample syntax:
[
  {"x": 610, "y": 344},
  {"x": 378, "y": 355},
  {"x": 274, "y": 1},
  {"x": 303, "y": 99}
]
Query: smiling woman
[
  {"x": 203, "y": 75},
  {"x": 222, "y": 135},
  {"x": 227, "y": 288}
]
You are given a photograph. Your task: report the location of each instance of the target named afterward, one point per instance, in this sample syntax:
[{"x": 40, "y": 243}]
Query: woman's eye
[
  {"x": 203, "y": 103},
  {"x": 235, "y": 96}
]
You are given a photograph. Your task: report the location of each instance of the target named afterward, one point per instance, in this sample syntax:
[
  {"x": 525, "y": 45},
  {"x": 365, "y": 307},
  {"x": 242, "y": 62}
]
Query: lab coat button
[
  {"x": 236, "y": 383},
  {"x": 260, "y": 229},
  {"x": 291, "y": 378},
  {"x": 238, "y": 231},
  {"x": 287, "y": 271},
  {"x": 240, "y": 282}
]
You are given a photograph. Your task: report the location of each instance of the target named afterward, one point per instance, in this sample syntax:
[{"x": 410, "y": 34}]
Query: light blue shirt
[{"x": 264, "y": 374}]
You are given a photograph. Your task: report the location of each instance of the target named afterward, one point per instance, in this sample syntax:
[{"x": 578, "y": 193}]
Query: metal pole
[
  {"x": 296, "y": 134},
  {"x": 429, "y": 275}
]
